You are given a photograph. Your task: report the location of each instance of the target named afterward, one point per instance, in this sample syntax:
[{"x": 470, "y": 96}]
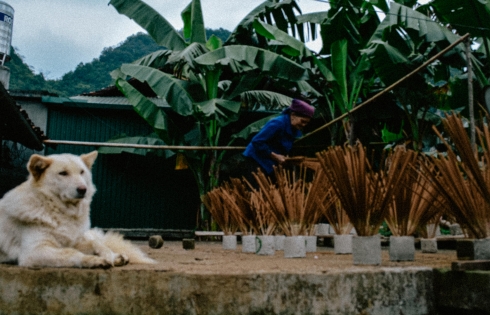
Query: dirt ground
[{"x": 209, "y": 257}]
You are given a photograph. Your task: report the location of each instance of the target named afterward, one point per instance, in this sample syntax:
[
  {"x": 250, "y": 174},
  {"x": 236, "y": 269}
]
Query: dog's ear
[
  {"x": 89, "y": 158},
  {"x": 38, "y": 164}
]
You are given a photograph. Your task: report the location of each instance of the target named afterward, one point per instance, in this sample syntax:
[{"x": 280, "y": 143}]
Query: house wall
[{"x": 133, "y": 192}]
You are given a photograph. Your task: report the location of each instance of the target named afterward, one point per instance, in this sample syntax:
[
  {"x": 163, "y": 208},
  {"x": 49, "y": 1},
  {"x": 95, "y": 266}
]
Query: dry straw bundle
[
  {"x": 295, "y": 204},
  {"x": 365, "y": 194},
  {"x": 337, "y": 217},
  {"x": 219, "y": 201},
  {"x": 266, "y": 222},
  {"x": 233, "y": 205},
  {"x": 416, "y": 203},
  {"x": 465, "y": 185}
]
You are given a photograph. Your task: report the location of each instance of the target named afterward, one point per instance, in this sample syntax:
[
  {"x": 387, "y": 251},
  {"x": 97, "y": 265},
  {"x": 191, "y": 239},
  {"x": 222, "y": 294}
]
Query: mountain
[{"x": 91, "y": 76}]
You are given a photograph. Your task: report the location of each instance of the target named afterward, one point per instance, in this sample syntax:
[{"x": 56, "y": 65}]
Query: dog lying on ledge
[{"x": 45, "y": 221}]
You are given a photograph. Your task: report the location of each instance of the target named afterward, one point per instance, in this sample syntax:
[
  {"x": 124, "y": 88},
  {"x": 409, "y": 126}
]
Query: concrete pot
[
  {"x": 428, "y": 245},
  {"x": 402, "y": 248},
  {"x": 311, "y": 243},
  {"x": 279, "y": 242},
  {"x": 229, "y": 242},
  {"x": 455, "y": 229},
  {"x": 366, "y": 250},
  {"x": 342, "y": 243},
  {"x": 294, "y": 247},
  {"x": 473, "y": 249},
  {"x": 322, "y": 229},
  {"x": 264, "y": 245},
  {"x": 248, "y": 244},
  {"x": 433, "y": 230}
]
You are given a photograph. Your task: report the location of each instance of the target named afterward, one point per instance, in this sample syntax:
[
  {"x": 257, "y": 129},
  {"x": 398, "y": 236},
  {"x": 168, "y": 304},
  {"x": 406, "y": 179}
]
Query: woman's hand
[{"x": 279, "y": 158}]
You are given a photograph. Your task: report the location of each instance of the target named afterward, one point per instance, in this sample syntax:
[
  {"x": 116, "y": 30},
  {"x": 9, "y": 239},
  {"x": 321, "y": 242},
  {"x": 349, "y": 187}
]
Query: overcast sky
[{"x": 54, "y": 36}]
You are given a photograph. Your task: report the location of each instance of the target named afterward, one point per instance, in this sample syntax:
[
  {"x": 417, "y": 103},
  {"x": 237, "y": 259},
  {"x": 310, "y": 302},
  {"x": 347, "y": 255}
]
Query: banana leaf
[
  {"x": 354, "y": 21},
  {"x": 241, "y": 59},
  {"x": 293, "y": 47},
  {"x": 194, "y": 23},
  {"x": 469, "y": 16},
  {"x": 223, "y": 111},
  {"x": 156, "y": 59},
  {"x": 155, "y": 117},
  {"x": 269, "y": 100},
  {"x": 282, "y": 12},
  {"x": 339, "y": 70},
  {"x": 165, "y": 86},
  {"x": 253, "y": 128},
  {"x": 188, "y": 54},
  {"x": 245, "y": 82},
  {"x": 214, "y": 42},
  {"x": 156, "y": 25},
  {"x": 148, "y": 140},
  {"x": 402, "y": 40}
]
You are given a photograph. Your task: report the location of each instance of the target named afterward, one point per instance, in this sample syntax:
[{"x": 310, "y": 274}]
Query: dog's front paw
[
  {"x": 96, "y": 262},
  {"x": 120, "y": 260}
]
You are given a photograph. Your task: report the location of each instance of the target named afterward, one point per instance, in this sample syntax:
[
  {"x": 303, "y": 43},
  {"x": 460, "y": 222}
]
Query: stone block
[
  {"x": 279, "y": 242},
  {"x": 188, "y": 243},
  {"x": 248, "y": 244},
  {"x": 428, "y": 245},
  {"x": 229, "y": 242},
  {"x": 342, "y": 243},
  {"x": 402, "y": 248},
  {"x": 264, "y": 245},
  {"x": 473, "y": 249},
  {"x": 455, "y": 229},
  {"x": 311, "y": 243},
  {"x": 366, "y": 250},
  {"x": 295, "y": 247},
  {"x": 322, "y": 229}
]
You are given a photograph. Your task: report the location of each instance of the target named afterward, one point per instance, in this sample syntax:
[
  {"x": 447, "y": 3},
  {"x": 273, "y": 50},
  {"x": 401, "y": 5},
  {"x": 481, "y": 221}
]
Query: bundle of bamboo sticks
[
  {"x": 234, "y": 207},
  {"x": 219, "y": 201},
  {"x": 295, "y": 203},
  {"x": 416, "y": 202},
  {"x": 364, "y": 194},
  {"x": 337, "y": 217},
  {"x": 465, "y": 184}
]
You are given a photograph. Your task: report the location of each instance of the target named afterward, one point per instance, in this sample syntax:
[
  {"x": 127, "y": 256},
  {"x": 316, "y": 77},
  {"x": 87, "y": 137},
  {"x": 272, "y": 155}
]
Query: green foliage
[{"x": 22, "y": 76}]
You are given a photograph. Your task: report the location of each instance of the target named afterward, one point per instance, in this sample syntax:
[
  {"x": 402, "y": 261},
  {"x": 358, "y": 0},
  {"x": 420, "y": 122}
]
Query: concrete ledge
[
  {"x": 59, "y": 291},
  {"x": 463, "y": 291}
]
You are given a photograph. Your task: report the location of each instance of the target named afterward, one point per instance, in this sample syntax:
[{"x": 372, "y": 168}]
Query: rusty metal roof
[{"x": 15, "y": 124}]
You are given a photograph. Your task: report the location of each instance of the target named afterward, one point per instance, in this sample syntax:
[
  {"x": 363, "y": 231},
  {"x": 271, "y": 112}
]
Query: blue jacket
[{"x": 276, "y": 136}]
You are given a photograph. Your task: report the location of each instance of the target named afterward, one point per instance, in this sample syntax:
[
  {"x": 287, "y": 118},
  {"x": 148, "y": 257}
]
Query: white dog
[{"x": 45, "y": 221}]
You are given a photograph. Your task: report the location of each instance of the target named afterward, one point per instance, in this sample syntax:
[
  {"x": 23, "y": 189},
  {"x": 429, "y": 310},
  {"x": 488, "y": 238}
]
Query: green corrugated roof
[{"x": 97, "y": 101}]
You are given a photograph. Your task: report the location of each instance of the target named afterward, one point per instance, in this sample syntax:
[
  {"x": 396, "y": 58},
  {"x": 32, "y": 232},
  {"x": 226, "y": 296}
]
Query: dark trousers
[{"x": 251, "y": 166}]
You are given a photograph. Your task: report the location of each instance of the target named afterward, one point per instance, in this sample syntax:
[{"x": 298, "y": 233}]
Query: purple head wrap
[{"x": 302, "y": 108}]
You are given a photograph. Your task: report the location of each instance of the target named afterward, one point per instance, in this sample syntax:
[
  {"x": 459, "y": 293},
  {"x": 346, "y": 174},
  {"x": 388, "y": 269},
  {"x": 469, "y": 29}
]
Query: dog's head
[{"x": 66, "y": 176}]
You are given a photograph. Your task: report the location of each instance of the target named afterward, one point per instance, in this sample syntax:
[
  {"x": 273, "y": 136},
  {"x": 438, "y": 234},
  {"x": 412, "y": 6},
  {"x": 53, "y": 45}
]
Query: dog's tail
[{"x": 118, "y": 244}]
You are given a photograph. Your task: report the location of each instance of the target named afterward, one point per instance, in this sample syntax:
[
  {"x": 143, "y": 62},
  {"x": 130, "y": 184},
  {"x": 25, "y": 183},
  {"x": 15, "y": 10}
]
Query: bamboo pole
[
  {"x": 470, "y": 97},
  {"x": 141, "y": 146},
  {"x": 389, "y": 88}
]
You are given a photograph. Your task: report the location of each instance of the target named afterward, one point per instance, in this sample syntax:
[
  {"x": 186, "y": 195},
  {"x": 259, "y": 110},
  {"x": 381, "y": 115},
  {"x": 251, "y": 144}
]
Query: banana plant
[
  {"x": 470, "y": 16},
  {"x": 201, "y": 80},
  {"x": 402, "y": 42},
  {"x": 341, "y": 74}
]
